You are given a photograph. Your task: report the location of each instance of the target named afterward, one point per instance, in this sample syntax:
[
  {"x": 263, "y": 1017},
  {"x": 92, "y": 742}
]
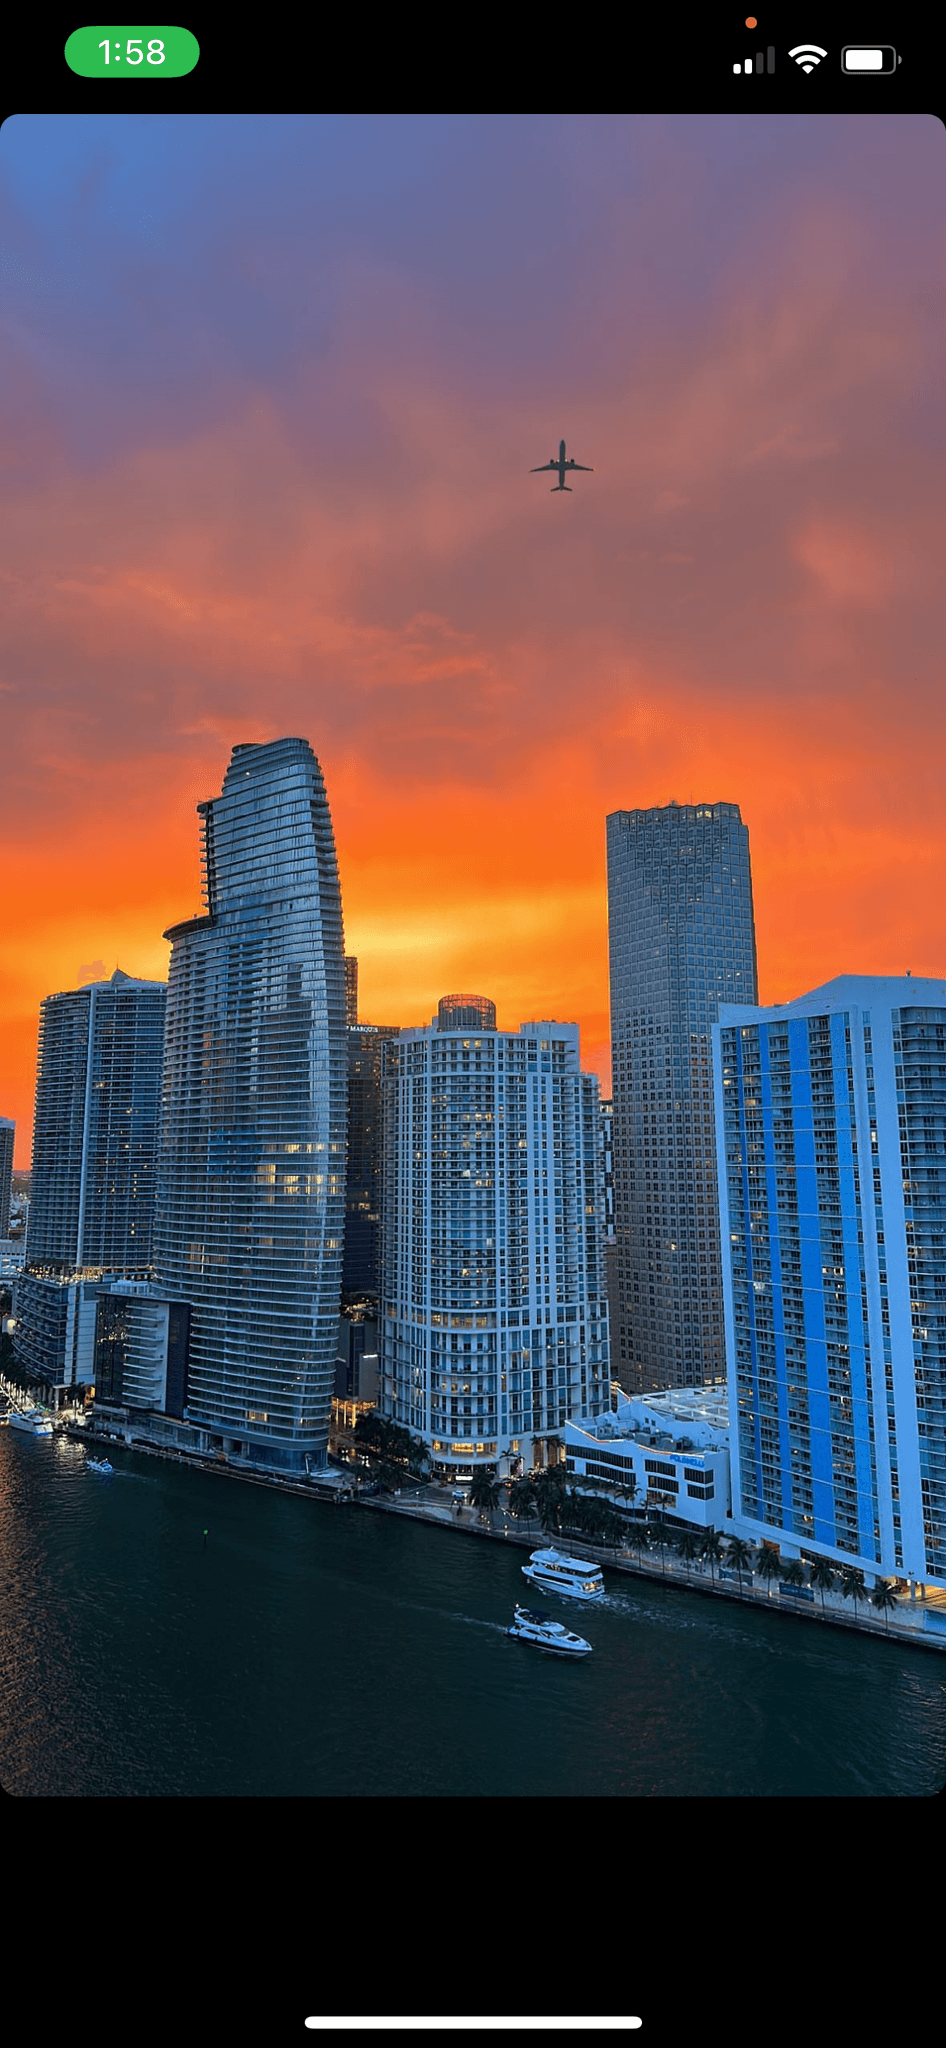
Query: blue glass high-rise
[
  {"x": 831, "y": 1137},
  {"x": 251, "y": 1194}
]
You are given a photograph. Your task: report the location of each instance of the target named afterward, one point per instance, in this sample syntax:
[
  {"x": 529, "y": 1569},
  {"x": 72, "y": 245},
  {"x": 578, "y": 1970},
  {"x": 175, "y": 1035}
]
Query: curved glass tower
[{"x": 251, "y": 1193}]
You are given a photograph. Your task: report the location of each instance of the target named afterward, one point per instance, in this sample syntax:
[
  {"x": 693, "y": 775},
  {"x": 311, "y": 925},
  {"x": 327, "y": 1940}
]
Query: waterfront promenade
[
  {"x": 905, "y": 1623},
  {"x": 921, "y": 1623}
]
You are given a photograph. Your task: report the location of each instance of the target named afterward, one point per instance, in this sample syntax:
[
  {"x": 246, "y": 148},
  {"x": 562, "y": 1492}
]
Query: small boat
[
  {"x": 555, "y": 1573},
  {"x": 33, "y": 1420},
  {"x": 535, "y": 1626},
  {"x": 100, "y": 1465}
]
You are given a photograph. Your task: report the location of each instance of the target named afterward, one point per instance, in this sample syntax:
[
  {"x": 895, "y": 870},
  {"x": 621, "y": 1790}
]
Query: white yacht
[
  {"x": 556, "y": 1573},
  {"x": 535, "y": 1626},
  {"x": 100, "y": 1465},
  {"x": 31, "y": 1419}
]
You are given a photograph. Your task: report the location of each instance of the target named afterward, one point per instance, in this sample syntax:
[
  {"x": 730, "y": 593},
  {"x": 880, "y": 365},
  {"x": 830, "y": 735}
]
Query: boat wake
[
  {"x": 451, "y": 1614},
  {"x": 476, "y": 1621},
  {"x": 724, "y": 1622}
]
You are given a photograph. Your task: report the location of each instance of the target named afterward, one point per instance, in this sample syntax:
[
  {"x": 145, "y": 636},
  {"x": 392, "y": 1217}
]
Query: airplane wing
[
  {"x": 543, "y": 465},
  {"x": 575, "y": 465}
]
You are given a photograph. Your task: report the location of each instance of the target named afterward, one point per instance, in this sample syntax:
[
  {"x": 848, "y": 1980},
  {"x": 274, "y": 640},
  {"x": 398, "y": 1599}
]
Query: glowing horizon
[{"x": 271, "y": 402}]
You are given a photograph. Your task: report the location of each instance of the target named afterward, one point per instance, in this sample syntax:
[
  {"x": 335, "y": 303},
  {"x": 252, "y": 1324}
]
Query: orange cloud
[{"x": 739, "y": 604}]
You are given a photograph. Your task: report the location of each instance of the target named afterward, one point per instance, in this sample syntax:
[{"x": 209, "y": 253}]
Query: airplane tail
[{"x": 561, "y": 487}]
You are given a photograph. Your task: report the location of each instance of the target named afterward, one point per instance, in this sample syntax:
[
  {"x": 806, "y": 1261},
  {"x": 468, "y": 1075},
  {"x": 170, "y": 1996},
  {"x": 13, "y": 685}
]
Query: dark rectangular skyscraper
[
  {"x": 361, "y": 1274},
  {"x": 682, "y": 940},
  {"x": 351, "y": 988},
  {"x": 7, "y": 1135}
]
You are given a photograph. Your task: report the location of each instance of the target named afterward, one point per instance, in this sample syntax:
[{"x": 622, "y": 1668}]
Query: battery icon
[{"x": 869, "y": 60}]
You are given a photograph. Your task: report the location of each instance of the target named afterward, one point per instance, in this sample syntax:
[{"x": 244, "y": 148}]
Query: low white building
[
  {"x": 12, "y": 1257},
  {"x": 668, "y": 1450}
]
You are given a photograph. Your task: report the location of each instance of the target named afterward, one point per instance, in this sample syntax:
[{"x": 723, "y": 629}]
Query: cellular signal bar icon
[{"x": 748, "y": 66}]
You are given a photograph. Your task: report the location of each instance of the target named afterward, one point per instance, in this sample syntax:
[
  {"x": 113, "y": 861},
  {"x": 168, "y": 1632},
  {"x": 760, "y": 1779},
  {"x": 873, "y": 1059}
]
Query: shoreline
[{"x": 317, "y": 1487}]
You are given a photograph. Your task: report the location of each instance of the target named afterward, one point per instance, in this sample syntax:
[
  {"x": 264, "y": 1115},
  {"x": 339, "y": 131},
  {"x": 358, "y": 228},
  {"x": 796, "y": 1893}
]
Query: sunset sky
[{"x": 269, "y": 395}]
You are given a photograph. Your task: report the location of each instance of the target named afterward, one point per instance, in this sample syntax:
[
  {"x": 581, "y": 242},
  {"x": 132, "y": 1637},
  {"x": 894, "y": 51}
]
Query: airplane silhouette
[{"x": 561, "y": 465}]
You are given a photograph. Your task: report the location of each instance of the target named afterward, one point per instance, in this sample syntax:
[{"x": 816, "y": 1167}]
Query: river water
[{"x": 313, "y": 1649}]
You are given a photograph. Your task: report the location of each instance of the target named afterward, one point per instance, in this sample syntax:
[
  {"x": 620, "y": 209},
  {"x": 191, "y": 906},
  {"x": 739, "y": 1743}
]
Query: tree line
[
  {"x": 545, "y": 1496},
  {"x": 560, "y": 1509}
]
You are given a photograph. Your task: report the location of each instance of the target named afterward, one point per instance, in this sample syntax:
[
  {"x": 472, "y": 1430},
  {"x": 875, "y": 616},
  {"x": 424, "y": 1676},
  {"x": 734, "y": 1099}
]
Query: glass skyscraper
[
  {"x": 832, "y": 1168},
  {"x": 494, "y": 1326},
  {"x": 98, "y": 1083},
  {"x": 251, "y": 1195},
  {"x": 92, "y": 1184},
  {"x": 681, "y": 941}
]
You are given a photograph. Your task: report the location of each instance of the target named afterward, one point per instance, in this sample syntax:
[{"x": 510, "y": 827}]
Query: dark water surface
[{"x": 314, "y": 1649}]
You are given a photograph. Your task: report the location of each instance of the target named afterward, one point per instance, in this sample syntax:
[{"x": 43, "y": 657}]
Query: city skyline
[{"x": 274, "y": 395}]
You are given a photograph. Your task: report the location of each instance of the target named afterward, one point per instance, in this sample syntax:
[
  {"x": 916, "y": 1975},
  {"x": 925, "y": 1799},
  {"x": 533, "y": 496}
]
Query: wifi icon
[{"x": 807, "y": 55}]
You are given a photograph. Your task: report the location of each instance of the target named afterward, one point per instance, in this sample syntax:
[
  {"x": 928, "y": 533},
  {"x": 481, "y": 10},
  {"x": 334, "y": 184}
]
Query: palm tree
[
  {"x": 406, "y": 1449},
  {"x": 612, "y": 1527},
  {"x": 712, "y": 1548},
  {"x": 688, "y": 1545},
  {"x": 575, "y": 1512},
  {"x": 601, "y": 1519},
  {"x": 587, "y": 1516},
  {"x": 368, "y": 1430},
  {"x": 627, "y": 1487},
  {"x": 391, "y": 1444},
  {"x": 550, "y": 1509},
  {"x": 385, "y": 1476},
  {"x": 522, "y": 1500},
  {"x": 585, "y": 1482},
  {"x": 739, "y": 1555},
  {"x": 885, "y": 1596},
  {"x": 769, "y": 1564},
  {"x": 822, "y": 1574},
  {"x": 793, "y": 1573},
  {"x": 852, "y": 1584},
  {"x": 418, "y": 1456},
  {"x": 484, "y": 1492},
  {"x": 550, "y": 1486},
  {"x": 660, "y": 1535},
  {"x": 640, "y": 1537}
]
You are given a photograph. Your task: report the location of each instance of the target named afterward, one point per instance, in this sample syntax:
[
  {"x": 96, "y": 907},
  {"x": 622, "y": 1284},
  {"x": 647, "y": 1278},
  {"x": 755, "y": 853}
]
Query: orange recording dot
[{"x": 751, "y": 21}]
